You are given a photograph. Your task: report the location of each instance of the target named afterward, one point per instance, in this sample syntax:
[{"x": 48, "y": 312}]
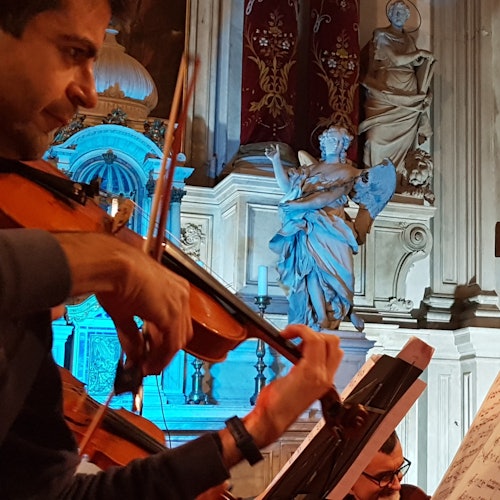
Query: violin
[
  {"x": 123, "y": 435},
  {"x": 220, "y": 320}
]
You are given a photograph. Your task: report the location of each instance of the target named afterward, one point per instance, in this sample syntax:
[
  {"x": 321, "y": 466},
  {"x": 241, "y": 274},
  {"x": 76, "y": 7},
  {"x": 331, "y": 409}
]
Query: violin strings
[
  {"x": 96, "y": 421},
  {"x": 167, "y": 430}
]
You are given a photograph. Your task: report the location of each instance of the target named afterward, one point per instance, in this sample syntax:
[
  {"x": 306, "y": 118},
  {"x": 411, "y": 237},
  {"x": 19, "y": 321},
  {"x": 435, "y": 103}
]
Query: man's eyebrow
[
  {"x": 90, "y": 47},
  {"x": 389, "y": 471},
  {"x": 385, "y": 472}
]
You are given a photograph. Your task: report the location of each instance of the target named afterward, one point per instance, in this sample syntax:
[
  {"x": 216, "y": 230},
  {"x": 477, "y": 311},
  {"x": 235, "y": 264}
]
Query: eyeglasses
[{"x": 386, "y": 478}]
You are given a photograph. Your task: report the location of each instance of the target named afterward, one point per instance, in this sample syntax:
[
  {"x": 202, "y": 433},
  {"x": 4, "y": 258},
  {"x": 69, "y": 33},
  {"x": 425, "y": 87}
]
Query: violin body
[
  {"x": 220, "y": 320},
  {"x": 123, "y": 435}
]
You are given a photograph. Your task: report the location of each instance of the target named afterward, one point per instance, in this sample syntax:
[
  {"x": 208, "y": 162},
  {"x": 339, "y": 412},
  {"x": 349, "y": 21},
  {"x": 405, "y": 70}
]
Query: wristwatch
[{"x": 244, "y": 440}]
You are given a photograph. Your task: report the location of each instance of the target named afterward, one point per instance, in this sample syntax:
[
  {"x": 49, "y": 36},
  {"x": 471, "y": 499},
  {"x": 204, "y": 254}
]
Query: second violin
[{"x": 123, "y": 435}]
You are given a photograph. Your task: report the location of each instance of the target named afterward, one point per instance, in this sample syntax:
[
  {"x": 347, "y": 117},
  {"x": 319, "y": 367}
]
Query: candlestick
[
  {"x": 262, "y": 282},
  {"x": 262, "y": 302}
]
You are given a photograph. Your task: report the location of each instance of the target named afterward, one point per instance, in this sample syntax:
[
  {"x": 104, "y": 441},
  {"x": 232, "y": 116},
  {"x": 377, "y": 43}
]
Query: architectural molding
[{"x": 464, "y": 155}]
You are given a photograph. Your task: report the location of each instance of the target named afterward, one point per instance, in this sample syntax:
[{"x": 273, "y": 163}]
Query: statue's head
[
  {"x": 419, "y": 168},
  {"x": 337, "y": 140},
  {"x": 398, "y": 13}
]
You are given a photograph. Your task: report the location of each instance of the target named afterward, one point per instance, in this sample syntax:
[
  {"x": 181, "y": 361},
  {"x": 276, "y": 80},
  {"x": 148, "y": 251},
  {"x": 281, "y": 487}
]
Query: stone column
[
  {"x": 174, "y": 216},
  {"x": 465, "y": 274}
]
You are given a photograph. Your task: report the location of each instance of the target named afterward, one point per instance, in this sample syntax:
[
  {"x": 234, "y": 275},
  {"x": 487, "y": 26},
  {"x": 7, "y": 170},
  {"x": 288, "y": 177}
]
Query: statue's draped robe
[
  {"x": 395, "y": 107},
  {"x": 316, "y": 249}
]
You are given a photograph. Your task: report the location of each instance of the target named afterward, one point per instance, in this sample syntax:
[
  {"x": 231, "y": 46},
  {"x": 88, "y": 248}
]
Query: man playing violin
[{"x": 47, "y": 54}]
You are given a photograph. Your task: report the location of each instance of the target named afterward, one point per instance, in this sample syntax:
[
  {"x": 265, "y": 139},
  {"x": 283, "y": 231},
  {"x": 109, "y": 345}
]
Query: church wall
[
  {"x": 464, "y": 147},
  {"x": 465, "y": 156}
]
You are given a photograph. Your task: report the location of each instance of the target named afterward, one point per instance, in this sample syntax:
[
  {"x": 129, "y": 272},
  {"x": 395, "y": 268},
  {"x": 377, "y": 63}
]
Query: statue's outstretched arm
[{"x": 273, "y": 153}]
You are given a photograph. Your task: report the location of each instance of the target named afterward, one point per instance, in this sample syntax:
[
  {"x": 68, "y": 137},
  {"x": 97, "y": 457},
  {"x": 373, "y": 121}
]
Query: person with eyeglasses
[
  {"x": 381, "y": 479},
  {"x": 383, "y": 475}
]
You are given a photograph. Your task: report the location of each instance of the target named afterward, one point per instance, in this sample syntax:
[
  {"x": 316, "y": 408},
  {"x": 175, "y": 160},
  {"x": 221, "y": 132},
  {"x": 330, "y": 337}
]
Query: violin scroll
[{"x": 344, "y": 418}]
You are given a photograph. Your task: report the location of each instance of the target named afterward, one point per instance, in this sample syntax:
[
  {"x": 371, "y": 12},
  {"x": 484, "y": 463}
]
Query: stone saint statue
[
  {"x": 317, "y": 239},
  {"x": 397, "y": 92}
]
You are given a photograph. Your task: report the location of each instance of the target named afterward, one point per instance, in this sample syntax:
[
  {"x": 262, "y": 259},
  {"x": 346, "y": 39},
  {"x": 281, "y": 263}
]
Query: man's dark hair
[
  {"x": 15, "y": 14},
  {"x": 390, "y": 444}
]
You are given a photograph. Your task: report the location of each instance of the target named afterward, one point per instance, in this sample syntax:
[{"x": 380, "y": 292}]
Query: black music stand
[{"x": 312, "y": 473}]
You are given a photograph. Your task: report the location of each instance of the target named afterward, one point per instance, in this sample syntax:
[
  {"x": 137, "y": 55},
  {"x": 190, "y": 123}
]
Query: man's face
[
  {"x": 47, "y": 73},
  {"x": 366, "y": 489}
]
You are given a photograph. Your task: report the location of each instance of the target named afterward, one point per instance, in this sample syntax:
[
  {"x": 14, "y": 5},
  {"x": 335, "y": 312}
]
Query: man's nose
[
  {"x": 82, "y": 91},
  {"x": 396, "y": 482}
]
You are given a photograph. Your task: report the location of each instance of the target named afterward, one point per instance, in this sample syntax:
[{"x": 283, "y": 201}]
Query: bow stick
[
  {"x": 130, "y": 378},
  {"x": 167, "y": 190},
  {"x": 160, "y": 187}
]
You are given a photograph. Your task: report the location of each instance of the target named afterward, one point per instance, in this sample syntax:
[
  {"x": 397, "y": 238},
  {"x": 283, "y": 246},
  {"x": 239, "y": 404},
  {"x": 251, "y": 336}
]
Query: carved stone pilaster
[
  {"x": 414, "y": 243},
  {"x": 465, "y": 274}
]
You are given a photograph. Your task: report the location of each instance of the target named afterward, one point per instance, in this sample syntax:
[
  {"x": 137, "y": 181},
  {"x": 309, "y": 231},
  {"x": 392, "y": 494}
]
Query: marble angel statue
[{"x": 317, "y": 239}]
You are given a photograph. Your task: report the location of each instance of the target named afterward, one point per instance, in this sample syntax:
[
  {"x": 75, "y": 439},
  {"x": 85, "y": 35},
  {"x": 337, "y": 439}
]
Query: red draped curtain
[{"x": 300, "y": 70}]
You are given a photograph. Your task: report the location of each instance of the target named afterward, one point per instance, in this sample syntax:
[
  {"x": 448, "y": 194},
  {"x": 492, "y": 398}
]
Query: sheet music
[{"x": 474, "y": 473}]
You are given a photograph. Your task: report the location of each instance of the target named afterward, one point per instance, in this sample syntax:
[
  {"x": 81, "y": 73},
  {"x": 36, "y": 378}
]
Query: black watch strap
[{"x": 244, "y": 440}]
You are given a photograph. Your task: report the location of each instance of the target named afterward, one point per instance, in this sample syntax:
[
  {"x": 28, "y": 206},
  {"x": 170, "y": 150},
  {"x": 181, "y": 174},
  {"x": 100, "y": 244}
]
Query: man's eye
[
  {"x": 385, "y": 478},
  {"x": 76, "y": 53}
]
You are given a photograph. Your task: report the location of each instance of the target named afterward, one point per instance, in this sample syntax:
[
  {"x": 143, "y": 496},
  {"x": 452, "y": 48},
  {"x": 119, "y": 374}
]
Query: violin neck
[{"x": 176, "y": 260}]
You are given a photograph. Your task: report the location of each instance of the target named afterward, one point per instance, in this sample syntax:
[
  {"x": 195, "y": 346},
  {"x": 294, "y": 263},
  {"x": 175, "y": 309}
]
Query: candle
[{"x": 262, "y": 282}]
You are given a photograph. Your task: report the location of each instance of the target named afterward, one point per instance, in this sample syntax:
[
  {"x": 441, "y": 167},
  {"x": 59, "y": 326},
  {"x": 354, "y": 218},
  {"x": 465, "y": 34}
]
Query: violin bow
[
  {"x": 177, "y": 143},
  {"x": 129, "y": 379},
  {"x": 160, "y": 187}
]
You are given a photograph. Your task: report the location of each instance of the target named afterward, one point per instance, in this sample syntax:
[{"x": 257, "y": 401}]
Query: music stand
[{"x": 325, "y": 465}]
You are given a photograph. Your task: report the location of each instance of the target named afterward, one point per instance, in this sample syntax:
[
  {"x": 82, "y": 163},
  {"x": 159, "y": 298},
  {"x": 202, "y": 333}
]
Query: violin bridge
[{"x": 123, "y": 215}]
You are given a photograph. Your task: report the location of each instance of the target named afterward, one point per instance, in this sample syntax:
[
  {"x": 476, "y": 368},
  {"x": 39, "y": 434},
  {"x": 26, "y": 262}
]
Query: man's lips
[{"x": 56, "y": 121}]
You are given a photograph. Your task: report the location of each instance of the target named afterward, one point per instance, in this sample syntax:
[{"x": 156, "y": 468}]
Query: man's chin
[{"x": 26, "y": 142}]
